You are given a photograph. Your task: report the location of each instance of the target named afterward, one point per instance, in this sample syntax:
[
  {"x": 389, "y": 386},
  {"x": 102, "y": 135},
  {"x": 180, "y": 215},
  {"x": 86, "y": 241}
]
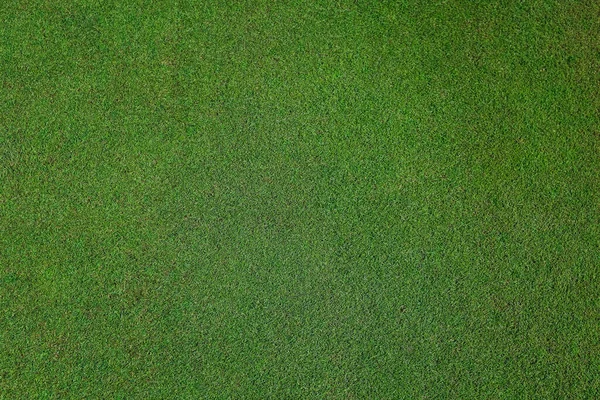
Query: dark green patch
[{"x": 313, "y": 199}]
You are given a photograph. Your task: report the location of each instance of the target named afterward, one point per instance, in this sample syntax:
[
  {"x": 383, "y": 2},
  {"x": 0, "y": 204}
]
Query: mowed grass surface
[{"x": 308, "y": 199}]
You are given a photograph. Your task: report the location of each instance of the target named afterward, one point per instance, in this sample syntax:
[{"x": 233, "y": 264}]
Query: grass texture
[{"x": 299, "y": 199}]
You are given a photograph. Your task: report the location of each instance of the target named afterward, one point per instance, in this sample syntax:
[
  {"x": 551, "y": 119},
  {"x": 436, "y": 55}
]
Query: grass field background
[{"x": 299, "y": 199}]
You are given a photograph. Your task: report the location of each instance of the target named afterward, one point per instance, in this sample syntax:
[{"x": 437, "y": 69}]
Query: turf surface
[{"x": 308, "y": 199}]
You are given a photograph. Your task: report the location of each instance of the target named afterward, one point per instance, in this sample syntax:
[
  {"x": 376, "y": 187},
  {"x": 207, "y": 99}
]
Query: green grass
[{"x": 299, "y": 199}]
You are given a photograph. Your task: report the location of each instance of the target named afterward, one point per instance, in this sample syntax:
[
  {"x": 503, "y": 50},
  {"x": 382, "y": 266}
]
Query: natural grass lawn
[{"x": 299, "y": 199}]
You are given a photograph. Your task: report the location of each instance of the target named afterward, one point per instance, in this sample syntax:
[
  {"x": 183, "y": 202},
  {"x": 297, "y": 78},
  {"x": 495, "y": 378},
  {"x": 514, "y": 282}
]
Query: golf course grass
[{"x": 299, "y": 199}]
